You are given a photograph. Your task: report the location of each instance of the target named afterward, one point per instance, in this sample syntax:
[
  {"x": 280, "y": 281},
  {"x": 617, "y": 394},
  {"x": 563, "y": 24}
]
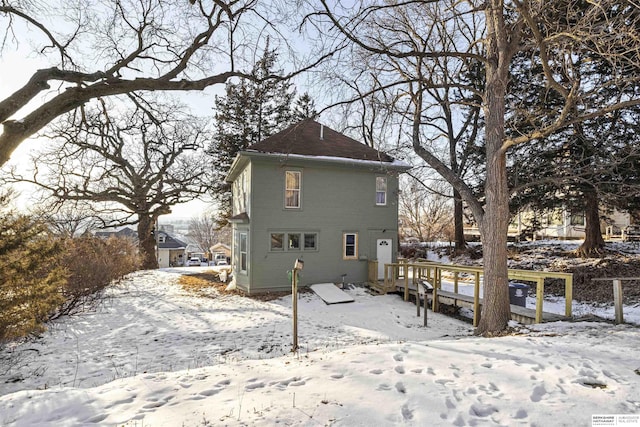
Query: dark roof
[
  {"x": 123, "y": 232},
  {"x": 304, "y": 138},
  {"x": 171, "y": 242}
]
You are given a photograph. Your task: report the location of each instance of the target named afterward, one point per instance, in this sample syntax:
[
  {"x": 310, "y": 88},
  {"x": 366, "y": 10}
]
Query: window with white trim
[
  {"x": 381, "y": 190},
  {"x": 293, "y": 189},
  {"x": 243, "y": 252},
  {"x": 350, "y": 246}
]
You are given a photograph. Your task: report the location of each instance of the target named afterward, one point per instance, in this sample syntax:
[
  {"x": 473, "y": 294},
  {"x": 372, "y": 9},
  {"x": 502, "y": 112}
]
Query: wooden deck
[
  {"x": 526, "y": 316},
  {"x": 403, "y": 276}
]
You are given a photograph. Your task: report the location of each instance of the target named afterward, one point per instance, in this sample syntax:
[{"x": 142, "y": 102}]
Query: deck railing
[{"x": 397, "y": 274}]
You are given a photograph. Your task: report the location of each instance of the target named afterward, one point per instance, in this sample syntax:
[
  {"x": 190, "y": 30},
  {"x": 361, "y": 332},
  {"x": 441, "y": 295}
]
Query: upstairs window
[
  {"x": 292, "y": 189},
  {"x": 381, "y": 191}
]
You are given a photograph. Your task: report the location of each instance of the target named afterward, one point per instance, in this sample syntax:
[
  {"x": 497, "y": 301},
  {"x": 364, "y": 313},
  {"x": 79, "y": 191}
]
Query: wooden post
[
  {"x": 539, "y": 297},
  {"x": 294, "y": 298},
  {"x": 406, "y": 283},
  {"x": 418, "y": 300},
  {"x": 617, "y": 300},
  {"x": 476, "y": 300},
  {"x": 455, "y": 282},
  {"x": 568, "y": 295},
  {"x": 434, "y": 304},
  {"x": 386, "y": 278}
]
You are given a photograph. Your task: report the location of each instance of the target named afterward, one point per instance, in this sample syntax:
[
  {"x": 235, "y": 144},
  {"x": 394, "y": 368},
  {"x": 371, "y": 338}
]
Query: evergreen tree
[
  {"x": 304, "y": 108},
  {"x": 249, "y": 112},
  {"x": 31, "y": 278},
  {"x": 582, "y": 167}
]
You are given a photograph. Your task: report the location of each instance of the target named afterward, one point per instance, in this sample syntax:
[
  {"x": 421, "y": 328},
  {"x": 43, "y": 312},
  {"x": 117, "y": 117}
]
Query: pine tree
[
  {"x": 304, "y": 108},
  {"x": 251, "y": 111},
  {"x": 31, "y": 278}
]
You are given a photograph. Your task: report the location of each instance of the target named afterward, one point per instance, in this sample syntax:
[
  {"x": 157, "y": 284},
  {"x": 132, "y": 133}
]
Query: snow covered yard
[{"x": 156, "y": 355}]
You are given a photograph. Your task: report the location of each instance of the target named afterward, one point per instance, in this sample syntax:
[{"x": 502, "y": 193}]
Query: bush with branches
[
  {"x": 44, "y": 276},
  {"x": 93, "y": 264}
]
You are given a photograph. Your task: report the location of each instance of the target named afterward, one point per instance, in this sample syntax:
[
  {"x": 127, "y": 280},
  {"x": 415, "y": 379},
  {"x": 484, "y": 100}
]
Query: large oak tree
[
  {"x": 105, "y": 48},
  {"x": 131, "y": 165},
  {"x": 489, "y": 34}
]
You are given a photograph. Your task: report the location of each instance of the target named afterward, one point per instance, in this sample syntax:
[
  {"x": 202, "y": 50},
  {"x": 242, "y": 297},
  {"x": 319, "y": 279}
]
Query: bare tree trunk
[
  {"x": 458, "y": 222},
  {"x": 496, "y": 311},
  {"x": 593, "y": 244},
  {"x": 147, "y": 242}
]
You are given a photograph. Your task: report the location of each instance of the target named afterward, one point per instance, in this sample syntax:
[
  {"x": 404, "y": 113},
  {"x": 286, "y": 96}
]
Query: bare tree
[
  {"x": 427, "y": 209},
  {"x": 205, "y": 232},
  {"x": 69, "y": 221},
  {"x": 118, "y": 47},
  {"x": 131, "y": 167},
  {"x": 488, "y": 35}
]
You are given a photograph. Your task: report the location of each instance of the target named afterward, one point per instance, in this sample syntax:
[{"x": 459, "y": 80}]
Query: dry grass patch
[{"x": 207, "y": 284}]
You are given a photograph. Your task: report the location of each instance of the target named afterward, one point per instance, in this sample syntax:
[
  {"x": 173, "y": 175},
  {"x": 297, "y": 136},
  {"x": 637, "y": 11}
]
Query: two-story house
[{"x": 314, "y": 194}]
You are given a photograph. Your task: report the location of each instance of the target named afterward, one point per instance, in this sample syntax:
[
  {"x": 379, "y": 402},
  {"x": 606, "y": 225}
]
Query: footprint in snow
[
  {"x": 407, "y": 413},
  {"x": 375, "y": 371},
  {"x": 384, "y": 387},
  {"x": 337, "y": 376},
  {"x": 399, "y": 369},
  {"x": 520, "y": 414},
  {"x": 398, "y": 357},
  {"x": 400, "y": 387},
  {"x": 538, "y": 393},
  {"x": 254, "y": 385}
]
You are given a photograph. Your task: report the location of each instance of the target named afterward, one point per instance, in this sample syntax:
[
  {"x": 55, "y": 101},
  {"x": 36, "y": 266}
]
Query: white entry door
[{"x": 384, "y": 255}]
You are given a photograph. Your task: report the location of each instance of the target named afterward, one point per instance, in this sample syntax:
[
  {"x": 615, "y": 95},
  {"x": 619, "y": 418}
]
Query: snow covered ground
[{"x": 155, "y": 355}]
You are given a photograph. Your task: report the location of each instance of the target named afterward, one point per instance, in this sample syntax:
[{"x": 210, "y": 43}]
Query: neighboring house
[
  {"x": 123, "y": 232},
  {"x": 171, "y": 251},
  {"x": 221, "y": 248},
  {"x": 561, "y": 224},
  {"x": 311, "y": 193}
]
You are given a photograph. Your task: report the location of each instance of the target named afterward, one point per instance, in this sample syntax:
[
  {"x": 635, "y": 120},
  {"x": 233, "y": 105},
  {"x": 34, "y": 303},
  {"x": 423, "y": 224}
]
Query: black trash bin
[{"x": 518, "y": 294}]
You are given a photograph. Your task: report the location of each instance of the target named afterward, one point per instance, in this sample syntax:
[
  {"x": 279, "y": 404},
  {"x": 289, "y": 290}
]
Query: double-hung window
[
  {"x": 243, "y": 252},
  {"x": 381, "y": 191},
  {"x": 350, "y": 246},
  {"x": 292, "y": 190}
]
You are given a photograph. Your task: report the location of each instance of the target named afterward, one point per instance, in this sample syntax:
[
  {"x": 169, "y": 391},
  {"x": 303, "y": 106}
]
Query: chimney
[{"x": 321, "y": 131}]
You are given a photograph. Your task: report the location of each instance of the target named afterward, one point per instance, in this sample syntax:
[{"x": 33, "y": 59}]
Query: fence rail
[{"x": 432, "y": 272}]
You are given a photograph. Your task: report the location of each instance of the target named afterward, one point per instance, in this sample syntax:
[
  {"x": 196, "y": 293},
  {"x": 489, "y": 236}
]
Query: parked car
[
  {"x": 218, "y": 258},
  {"x": 194, "y": 261}
]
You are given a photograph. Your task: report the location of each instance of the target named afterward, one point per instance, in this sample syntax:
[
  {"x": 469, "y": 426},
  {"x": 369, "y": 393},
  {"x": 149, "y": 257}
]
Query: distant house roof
[
  {"x": 123, "y": 232},
  {"x": 310, "y": 138},
  {"x": 170, "y": 242}
]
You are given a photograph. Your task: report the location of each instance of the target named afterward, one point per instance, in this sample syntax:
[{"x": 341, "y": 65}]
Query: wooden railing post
[
  {"x": 476, "y": 299},
  {"x": 568, "y": 295},
  {"x": 617, "y": 300},
  {"x": 406, "y": 284},
  {"x": 539, "y": 297}
]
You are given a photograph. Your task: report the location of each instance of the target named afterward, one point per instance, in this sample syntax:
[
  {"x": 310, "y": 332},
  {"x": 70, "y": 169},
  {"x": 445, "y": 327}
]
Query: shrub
[{"x": 93, "y": 264}]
